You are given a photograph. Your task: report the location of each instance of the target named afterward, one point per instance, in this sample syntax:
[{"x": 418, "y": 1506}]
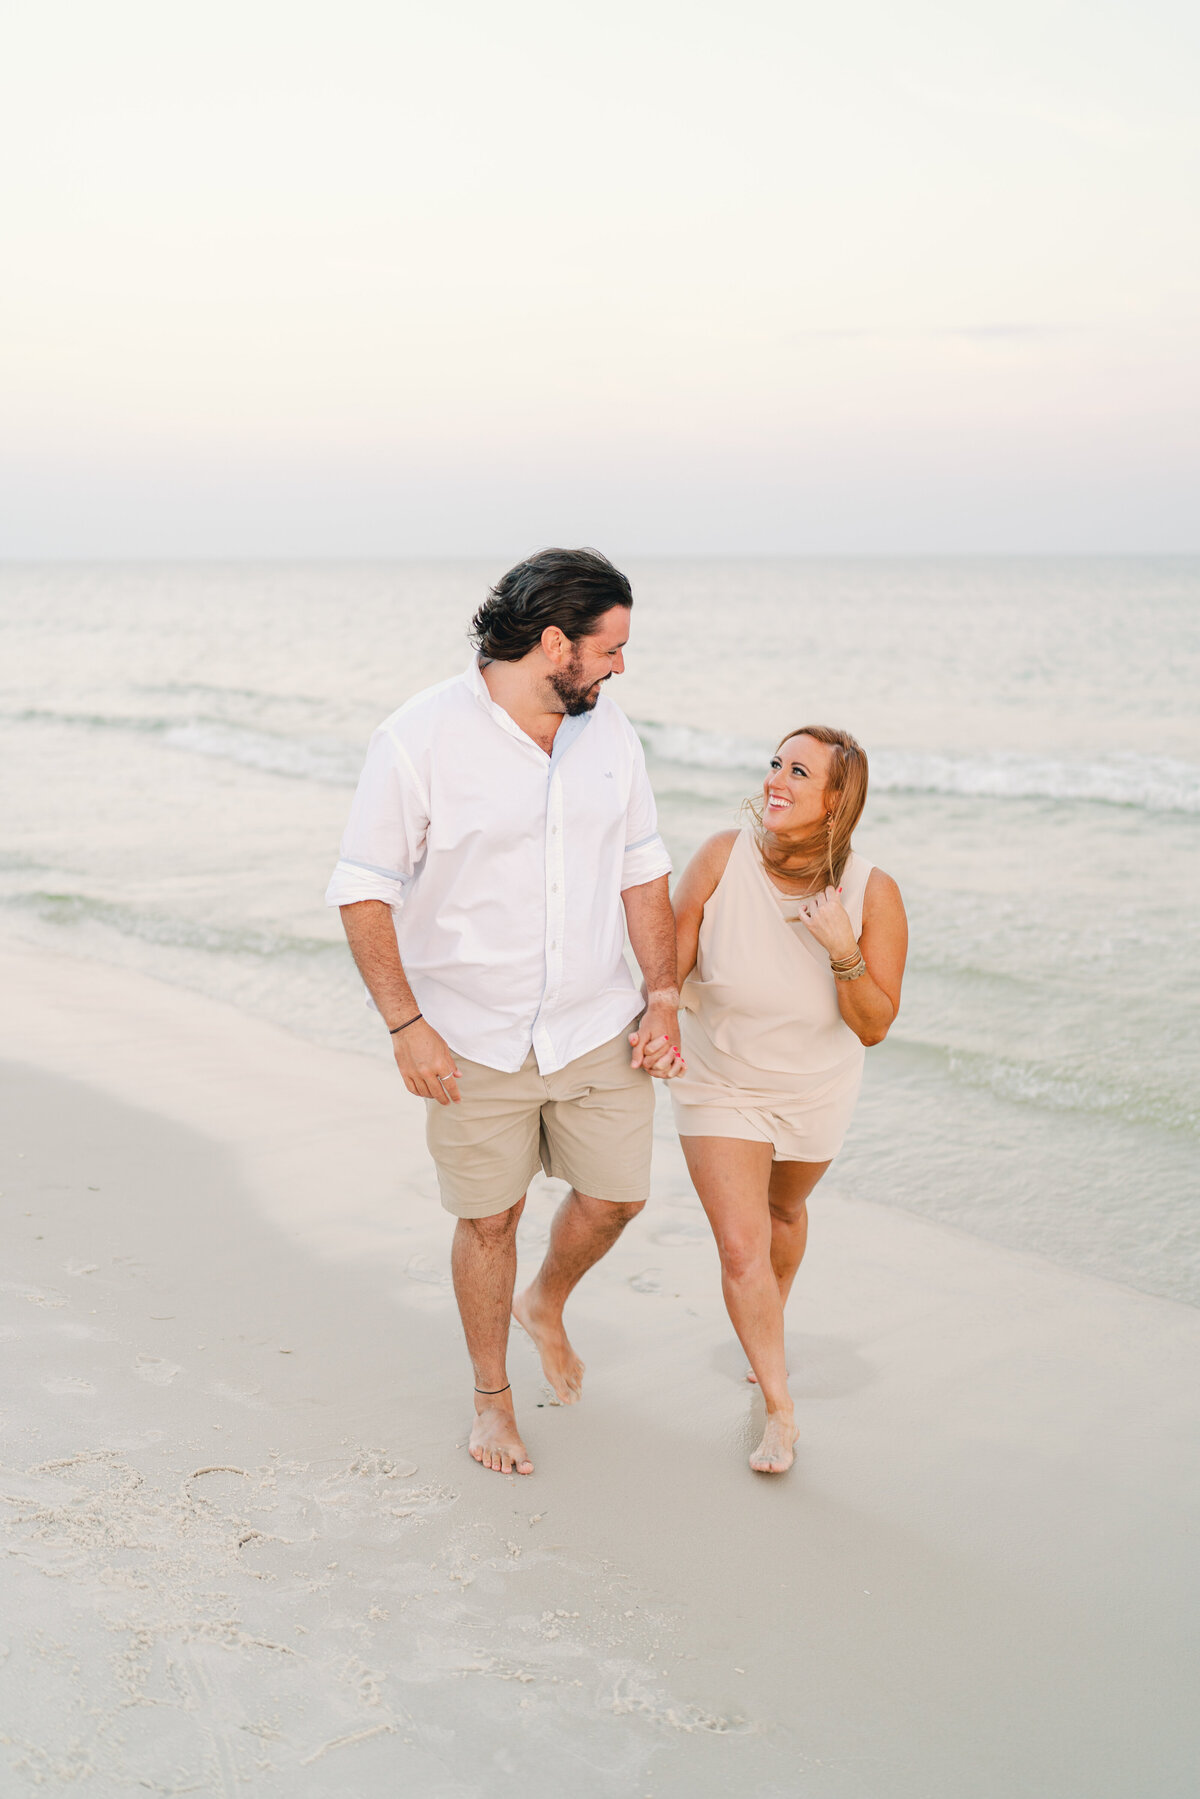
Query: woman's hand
[
  {"x": 662, "y": 1058},
  {"x": 826, "y": 919}
]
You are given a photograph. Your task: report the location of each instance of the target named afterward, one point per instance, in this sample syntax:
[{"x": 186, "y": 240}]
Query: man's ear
[{"x": 556, "y": 645}]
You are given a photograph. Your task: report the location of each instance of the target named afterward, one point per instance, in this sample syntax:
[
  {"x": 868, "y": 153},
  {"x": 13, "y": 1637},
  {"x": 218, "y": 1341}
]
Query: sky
[{"x": 374, "y": 279}]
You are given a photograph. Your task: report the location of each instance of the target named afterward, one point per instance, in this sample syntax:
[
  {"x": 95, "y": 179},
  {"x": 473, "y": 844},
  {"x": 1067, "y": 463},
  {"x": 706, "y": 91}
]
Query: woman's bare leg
[
  {"x": 791, "y": 1183},
  {"x": 732, "y": 1179}
]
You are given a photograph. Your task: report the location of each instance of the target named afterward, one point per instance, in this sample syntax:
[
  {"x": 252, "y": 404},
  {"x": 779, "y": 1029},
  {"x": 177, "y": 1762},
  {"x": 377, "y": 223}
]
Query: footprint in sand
[
  {"x": 34, "y": 1295},
  {"x": 155, "y": 1370},
  {"x": 420, "y": 1268},
  {"x": 67, "y": 1383},
  {"x": 376, "y": 1464},
  {"x": 247, "y": 1396},
  {"x": 648, "y": 1281},
  {"x": 675, "y": 1236}
]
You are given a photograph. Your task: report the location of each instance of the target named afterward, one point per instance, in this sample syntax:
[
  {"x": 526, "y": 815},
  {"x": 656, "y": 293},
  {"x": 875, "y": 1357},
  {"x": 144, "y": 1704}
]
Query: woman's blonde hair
[{"x": 825, "y": 852}]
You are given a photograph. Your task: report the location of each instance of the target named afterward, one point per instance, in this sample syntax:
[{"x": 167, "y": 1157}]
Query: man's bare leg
[
  {"x": 583, "y": 1230},
  {"x": 483, "y": 1261}
]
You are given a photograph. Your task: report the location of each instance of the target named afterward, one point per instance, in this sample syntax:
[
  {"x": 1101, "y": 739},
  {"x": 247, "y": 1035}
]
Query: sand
[{"x": 245, "y": 1551}]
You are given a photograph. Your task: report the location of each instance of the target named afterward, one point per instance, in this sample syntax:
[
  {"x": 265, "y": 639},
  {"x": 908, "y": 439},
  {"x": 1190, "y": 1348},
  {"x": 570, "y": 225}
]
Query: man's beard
[{"x": 575, "y": 697}]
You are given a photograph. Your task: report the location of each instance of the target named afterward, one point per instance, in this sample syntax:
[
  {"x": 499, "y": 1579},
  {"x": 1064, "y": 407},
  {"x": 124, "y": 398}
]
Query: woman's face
[{"x": 794, "y": 790}]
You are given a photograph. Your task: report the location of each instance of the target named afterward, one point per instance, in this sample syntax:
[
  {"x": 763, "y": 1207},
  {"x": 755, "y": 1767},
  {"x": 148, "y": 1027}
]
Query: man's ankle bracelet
[{"x": 491, "y": 1392}]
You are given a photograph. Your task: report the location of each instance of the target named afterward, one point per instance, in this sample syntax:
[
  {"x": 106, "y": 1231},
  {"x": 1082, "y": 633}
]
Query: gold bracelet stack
[{"x": 848, "y": 968}]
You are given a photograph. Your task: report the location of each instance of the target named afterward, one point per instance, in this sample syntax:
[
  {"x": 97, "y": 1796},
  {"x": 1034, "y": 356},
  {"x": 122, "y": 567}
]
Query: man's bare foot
[
  {"x": 753, "y": 1378},
  {"x": 561, "y": 1366},
  {"x": 495, "y": 1440},
  {"x": 776, "y": 1453}
]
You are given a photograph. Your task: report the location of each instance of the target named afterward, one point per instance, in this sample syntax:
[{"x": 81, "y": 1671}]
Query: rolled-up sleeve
[
  {"x": 385, "y": 837},
  {"x": 646, "y": 855}
]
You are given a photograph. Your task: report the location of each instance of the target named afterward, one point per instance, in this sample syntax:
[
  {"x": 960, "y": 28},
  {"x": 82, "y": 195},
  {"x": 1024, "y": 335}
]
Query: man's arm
[
  {"x": 651, "y": 926},
  {"x": 424, "y": 1061}
]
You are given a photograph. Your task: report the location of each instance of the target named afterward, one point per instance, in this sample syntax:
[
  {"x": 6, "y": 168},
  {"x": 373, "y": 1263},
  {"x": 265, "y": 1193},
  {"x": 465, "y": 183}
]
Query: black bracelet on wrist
[{"x": 392, "y": 1029}]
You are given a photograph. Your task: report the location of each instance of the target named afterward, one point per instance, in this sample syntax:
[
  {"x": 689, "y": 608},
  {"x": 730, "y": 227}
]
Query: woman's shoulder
[
  {"x": 719, "y": 845},
  {"x": 881, "y": 890},
  {"x": 703, "y": 873},
  {"x": 715, "y": 851}
]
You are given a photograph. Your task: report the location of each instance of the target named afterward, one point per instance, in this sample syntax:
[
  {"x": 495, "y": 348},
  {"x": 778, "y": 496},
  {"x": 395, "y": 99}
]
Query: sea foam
[
  {"x": 1156, "y": 783},
  {"x": 1153, "y": 783}
]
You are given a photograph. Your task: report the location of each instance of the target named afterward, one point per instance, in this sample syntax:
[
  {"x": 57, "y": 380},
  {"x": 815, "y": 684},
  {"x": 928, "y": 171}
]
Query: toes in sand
[
  {"x": 495, "y": 1441},
  {"x": 561, "y": 1366},
  {"x": 776, "y": 1453}
]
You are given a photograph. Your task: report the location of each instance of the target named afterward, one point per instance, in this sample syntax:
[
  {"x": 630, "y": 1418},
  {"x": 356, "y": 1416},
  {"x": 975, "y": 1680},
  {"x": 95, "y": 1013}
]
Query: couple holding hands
[{"x": 502, "y": 842}]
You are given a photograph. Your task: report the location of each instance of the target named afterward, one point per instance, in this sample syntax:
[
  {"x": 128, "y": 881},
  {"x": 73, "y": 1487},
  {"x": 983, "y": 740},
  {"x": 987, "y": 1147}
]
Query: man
[{"x": 502, "y": 838}]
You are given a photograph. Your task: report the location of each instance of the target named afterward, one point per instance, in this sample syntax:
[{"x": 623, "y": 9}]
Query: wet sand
[{"x": 245, "y": 1549}]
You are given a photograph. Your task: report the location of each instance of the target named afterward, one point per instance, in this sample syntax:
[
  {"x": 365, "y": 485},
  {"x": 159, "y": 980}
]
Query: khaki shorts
[{"x": 591, "y": 1123}]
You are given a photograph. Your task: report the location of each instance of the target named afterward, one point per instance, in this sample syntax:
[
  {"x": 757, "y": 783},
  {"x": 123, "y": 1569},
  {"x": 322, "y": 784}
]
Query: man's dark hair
[{"x": 572, "y": 589}]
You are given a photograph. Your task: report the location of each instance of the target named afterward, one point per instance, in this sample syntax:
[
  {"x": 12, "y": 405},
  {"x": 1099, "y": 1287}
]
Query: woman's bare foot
[
  {"x": 561, "y": 1366},
  {"x": 776, "y": 1453},
  {"x": 753, "y": 1378},
  {"x": 495, "y": 1440}
]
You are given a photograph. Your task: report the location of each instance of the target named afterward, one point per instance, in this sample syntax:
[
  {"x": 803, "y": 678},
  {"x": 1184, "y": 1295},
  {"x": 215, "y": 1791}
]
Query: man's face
[{"x": 594, "y": 659}]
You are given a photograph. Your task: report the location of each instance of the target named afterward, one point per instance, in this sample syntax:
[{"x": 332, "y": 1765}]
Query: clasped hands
[{"x": 656, "y": 1040}]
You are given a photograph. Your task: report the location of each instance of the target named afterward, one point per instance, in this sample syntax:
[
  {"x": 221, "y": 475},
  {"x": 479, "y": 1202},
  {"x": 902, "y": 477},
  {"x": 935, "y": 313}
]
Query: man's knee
[
  {"x": 496, "y": 1229},
  {"x": 789, "y": 1211},
  {"x": 611, "y": 1212}
]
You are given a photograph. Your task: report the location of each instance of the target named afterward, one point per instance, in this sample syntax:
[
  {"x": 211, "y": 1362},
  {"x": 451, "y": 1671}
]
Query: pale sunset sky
[{"x": 378, "y": 279}]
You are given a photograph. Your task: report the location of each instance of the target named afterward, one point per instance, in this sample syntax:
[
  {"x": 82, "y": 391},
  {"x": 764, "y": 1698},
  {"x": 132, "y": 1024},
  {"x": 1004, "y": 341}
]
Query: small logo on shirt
[{"x": 608, "y": 774}]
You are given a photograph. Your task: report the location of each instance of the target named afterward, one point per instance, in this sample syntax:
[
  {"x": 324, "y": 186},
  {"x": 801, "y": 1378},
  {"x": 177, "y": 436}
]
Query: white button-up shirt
[{"x": 504, "y": 869}]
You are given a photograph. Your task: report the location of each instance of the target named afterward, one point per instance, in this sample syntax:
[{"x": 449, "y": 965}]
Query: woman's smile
[{"x": 794, "y": 785}]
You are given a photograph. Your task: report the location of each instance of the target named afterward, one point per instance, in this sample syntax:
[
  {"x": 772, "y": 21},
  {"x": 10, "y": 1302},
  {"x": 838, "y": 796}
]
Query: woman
[{"x": 791, "y": 955}]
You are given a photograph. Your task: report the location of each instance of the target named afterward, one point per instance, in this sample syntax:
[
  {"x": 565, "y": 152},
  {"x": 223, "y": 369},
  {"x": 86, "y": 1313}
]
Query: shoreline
[{"x": 991, "y": 1499}]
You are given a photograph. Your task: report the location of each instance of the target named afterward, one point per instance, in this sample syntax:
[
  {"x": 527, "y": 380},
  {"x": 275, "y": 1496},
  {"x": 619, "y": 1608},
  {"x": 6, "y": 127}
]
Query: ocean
[{"x": 180, "y": 743}]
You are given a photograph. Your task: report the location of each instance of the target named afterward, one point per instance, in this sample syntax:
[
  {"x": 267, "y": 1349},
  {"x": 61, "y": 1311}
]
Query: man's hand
[
  {"x": 425, "y": 1063},
  {"x": 656, "y": 1040}
]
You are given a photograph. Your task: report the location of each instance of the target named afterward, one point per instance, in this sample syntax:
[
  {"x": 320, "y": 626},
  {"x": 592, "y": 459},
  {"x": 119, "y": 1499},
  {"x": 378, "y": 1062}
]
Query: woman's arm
[
  {"x": 869, "y": 1005},
  {"x": 695, "y": 888}
]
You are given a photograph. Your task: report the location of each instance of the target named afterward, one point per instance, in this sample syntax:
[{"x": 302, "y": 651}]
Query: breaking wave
[
  {"x": 173, "y": 932},
  {"x": 305, "y": 758},
  {"x": 1054, "y": 1087},
  {"x": 1155, "y": 783}
]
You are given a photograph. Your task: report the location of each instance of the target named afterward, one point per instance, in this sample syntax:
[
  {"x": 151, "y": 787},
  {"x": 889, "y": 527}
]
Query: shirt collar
[
  {"x": 567, "y": 731},
  {"x": 473, "y": 676}
]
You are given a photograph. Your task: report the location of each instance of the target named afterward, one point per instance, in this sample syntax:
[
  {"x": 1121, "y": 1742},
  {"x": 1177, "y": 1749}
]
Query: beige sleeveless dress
[{"x": 769, "y": 1057}]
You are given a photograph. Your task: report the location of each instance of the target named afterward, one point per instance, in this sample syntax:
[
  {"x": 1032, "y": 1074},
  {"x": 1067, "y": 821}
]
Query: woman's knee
[
  {"x": 790, "y": 1212},
  {"x": 743, "y": 1258}
]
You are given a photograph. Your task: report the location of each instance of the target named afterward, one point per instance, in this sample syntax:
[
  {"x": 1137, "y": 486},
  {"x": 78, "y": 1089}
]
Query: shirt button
[
  {"x": 554, "y": 888},
  {"x": 554, "y": 830}
]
